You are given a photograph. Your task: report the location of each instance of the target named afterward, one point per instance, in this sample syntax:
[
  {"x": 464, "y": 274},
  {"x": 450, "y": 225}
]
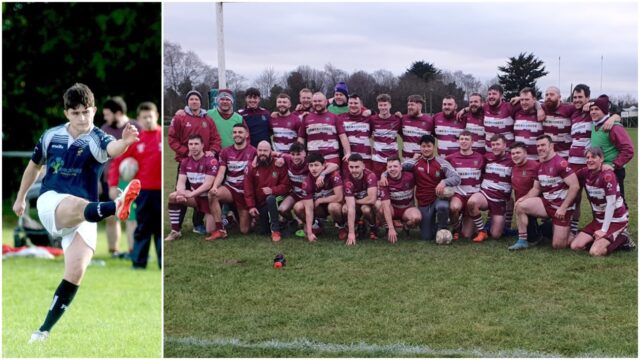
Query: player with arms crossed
[{"x": 74, "y": 155}]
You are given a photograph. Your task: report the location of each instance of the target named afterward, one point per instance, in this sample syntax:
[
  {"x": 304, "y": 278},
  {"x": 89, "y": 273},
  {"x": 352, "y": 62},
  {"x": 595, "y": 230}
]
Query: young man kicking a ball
[{"x": 74, "y": 154}]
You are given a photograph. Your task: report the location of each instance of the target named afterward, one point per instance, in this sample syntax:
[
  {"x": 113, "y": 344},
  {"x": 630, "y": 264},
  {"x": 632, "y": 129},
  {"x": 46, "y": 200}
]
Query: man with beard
[
  {"x": 339, "y": 104},
  {"x": 297, "y": 170},
  {"x": 523, "y": 175},
  {"x": 474, "y": 120},
  {"x": 558, "y": 185},
  {"x": 469, "y": 164},
  {"x": 606, "y": 232},
  {"x": 319, "y": 200},
  {"x": 262, "y": 185},
  {"x": 255, "y": 117},
  {"x": 616, "y": 143},
  {"x": 305, "y": 105},
  {"x": 224, "y": 117},
  {"x": 198, "y": 170},
  {"x": 432, "y": 174},
  {"x": 324, "y": 132},
  {"x": 415, "y": 124},
  {"x": 395, "y": 204},
  {"x": 358, "y": 130},
  {"x": 284, "y": 125},
  {"x": 361, "y": 193},
  {"x": 232, "y": 165},
  {"x": 581, "y": 125},
  {"x": 447, "y": 128},
  {"x": 495, "y": 190},
  {"x": 384, "y": 131},
  {"x": 527, "y": 128},
  {"x": 193, "y": 120},
  {"x": 557, "y": 123}
]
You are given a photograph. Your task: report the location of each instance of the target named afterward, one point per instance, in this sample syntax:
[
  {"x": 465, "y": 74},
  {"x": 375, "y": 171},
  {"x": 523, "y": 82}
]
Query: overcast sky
[{"x": 475, "y": 38}]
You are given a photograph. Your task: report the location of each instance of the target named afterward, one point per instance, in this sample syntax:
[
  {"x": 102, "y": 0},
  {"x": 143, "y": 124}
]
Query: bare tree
[
  {"x": 333, "y": 75},
  {"x": 363, "y": 84},
  {"x": 267, "y": 79}
]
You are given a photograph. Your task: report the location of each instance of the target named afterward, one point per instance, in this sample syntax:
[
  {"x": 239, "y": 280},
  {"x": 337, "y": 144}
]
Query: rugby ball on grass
[{"x": 443, "y": 237}]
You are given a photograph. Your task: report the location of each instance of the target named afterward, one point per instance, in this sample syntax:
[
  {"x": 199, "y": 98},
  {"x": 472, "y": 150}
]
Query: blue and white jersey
[{"x": 73, "y": 165}]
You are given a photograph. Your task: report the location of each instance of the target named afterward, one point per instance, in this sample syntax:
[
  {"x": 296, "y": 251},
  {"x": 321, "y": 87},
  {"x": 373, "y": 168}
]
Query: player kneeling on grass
[
  {"x": 495, "y": 190},
  {"x": 361, "y": 193},
  {"x": 610, "y": 216},
  {"x": 262, "y": 184},
  {"x": 200, "y": 170},
  {"x": 319, "y": 200},
  {"x": 395, "y": 203},
  {"x": 559, "y": 186},
  {"x": 74, "y": 154}
]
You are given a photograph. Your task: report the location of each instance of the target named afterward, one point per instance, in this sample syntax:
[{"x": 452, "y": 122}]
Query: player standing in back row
[{"x": 74, "y": 155}]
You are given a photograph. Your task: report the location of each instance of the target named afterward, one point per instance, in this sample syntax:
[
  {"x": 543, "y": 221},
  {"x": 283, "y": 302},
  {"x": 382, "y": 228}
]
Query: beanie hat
[
  {"x": 193, "y": 92},
  {"x": 602, "y": 102},
  {"x": 224, "y": 94},
  {"x": 341, "y": 87}
]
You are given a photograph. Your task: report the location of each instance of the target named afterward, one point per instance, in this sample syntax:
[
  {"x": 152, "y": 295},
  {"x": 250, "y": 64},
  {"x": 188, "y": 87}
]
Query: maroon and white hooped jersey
[
  {"x": 557, "y": 124},
  {"x": 311, "y": 191},
  {"x": 498, "y": 120},
  {"x": 236, "y": 162},
  {"x": 470, "y": 168},
  {"x": 385, "y": 137},
  {"x": 196, "y": 170},
  {"x": 413, "y": 128},
  {"x": 446, "y": 131},
  {"x": 297, "y": 174},
  {"x": 496, "y": 181},
  {"x": 321, "y": 133},
  {"x": 581, "y": 125},
  {"x": 526, "y": 129},
  {"x": 285, "y": 131},
  {"x": 551, "y": 175},
  {"x": 399, "y": 191},
  {"x": 599, "y": 185},
  {"x": 475, "y": 124},
  {"x": 358, "y": 130},
  {"x": 358, "y": 187}
]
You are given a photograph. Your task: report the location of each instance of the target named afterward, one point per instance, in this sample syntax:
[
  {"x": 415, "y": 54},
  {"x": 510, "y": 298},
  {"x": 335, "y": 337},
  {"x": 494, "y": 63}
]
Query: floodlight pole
[{"x": 222, "y": 79}]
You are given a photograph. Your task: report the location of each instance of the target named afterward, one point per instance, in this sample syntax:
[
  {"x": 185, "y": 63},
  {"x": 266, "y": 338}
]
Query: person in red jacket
[
  {"x": 263, "y": 183},
  {"x": 194, "y": 120},
  {"x": 148, "y": 153}
]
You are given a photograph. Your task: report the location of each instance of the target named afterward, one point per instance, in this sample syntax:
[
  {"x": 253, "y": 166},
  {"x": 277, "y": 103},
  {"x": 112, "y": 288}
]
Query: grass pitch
[
  {"x": 224, "y": 299},
  {"x": 116, "y": 313}
]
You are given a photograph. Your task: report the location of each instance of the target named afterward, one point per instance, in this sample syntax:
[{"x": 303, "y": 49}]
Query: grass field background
[
  {"x": 116, "y": 313},
  {"x": 414, "y": 298}
]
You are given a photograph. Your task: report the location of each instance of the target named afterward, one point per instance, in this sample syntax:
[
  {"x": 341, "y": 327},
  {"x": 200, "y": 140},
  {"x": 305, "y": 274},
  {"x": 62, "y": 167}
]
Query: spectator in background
[
  {"x": 339, "y": 104},
  {"x": 148, "y": 153},
  {"x": 114, "y": 111},
  {"x": 224, "y": 117}
]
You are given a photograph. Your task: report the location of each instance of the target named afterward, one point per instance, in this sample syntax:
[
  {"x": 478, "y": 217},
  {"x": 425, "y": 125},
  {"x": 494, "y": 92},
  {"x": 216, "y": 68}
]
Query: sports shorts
[
  {"x": 47, "y": 205},
  {"x": 613, "y": 235},
  {"x": 551, "y": 212}
]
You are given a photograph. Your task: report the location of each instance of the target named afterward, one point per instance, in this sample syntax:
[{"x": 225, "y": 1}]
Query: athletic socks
[
  {"x": 219, "y": 225},
  {"x": 522, "y": 236},
  {"x": 174, "y": 216},
  {"x": 61, "y": 299},
  {"x": 477, "y": 221},
  {"x": 508, "y": 217},
  {"x": 574, "y": 226},
  {"x": 97, "y": 211}
]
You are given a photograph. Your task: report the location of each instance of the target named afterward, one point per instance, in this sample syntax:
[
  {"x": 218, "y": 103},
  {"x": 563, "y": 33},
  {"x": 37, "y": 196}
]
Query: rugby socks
[
  {"x": 508, "y": 217},
  {"x": 522, "y": 236},
  {"x": 219, "y": 225},
  {"x": 97, "y": 211},
  {"x": 61, "y": 300},
  {"x": 477, "y": 221},
  {"x": 175, "y": 211},
  {"x": 574, "y": 226}
]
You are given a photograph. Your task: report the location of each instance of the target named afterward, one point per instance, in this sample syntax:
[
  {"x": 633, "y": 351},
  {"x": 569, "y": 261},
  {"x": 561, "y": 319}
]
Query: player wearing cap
[
  {"x": 558, "y": 185},
  {"x": 339, "y": 105}
]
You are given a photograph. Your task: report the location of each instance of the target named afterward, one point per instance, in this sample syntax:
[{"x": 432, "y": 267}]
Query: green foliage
[
  {"x": 520, "y": 72},
  {"x": 114, "y": 48}
]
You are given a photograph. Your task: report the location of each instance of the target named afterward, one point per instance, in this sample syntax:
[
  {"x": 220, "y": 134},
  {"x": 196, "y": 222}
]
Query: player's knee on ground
[{"x": 599, "y": 248}]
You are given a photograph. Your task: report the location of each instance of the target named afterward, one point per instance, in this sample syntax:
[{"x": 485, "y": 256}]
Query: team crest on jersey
[
  {"x": 274, "y": 174},
  {"x": 56, "y": 164},
  {"x": 264, "y": 118},
  {"x": 327, "y": 119},
  {"x": 437, "y": 173},
  {"x": 420, "y": 168},
  {"x": 79, "y": 152},
  {"x": 608, "y": 177},
  {"x": 204, "y": 124},
  {"x": 564, "y": 163}
]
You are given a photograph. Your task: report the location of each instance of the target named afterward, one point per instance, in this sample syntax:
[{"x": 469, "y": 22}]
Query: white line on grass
[{"x": 395, "y": 349}]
